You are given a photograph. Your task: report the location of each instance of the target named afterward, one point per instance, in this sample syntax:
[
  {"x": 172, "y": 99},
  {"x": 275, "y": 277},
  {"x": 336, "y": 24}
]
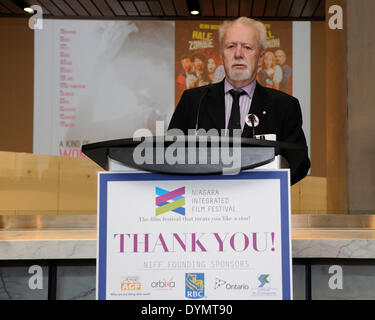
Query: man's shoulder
[
  {"x": 197, "y": 91},
  {"x": 278, "y": 95}
]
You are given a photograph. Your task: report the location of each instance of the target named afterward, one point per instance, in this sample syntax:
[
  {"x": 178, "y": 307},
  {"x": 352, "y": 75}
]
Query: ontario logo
[
  {"x": 170, "y": 201},
  {"x": 229, "y": 285},
  {"x": 194, "y": 285}
]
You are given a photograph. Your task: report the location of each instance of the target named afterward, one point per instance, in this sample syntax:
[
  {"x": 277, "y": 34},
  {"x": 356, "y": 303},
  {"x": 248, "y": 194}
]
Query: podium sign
[{"x": 194, "y": 237}]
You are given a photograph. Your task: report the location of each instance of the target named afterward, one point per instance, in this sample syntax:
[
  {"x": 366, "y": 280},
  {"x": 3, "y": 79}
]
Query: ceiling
[{"x": 309, "y": 10}]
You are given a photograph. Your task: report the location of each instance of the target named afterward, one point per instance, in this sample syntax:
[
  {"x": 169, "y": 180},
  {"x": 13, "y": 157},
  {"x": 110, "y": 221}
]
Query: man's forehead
[
  {"x": 229, "y": 41},
  {"x": 240, "y": 32}
]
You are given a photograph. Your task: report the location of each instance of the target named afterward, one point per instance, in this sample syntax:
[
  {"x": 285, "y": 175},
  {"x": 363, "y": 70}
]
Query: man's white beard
[{"x": 240, "y": 75}]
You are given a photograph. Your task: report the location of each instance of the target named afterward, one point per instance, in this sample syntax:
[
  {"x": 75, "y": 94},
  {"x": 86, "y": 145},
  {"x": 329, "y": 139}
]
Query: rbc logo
[{"x": 194, "y": 285}]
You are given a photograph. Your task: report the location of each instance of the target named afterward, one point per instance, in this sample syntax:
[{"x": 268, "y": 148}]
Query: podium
[
  {"x": 184, "y": 231},
  {"x": 254, "y": 153}
]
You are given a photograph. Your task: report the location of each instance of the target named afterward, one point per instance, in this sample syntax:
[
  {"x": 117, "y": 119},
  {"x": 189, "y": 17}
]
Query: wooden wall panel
[
  {"x": 28, "y": 183},
  {"x": 245, "y": 7},
  {"x": 7, "y": 183},
  {"x": 336, "y": 115},
  {"x": 233, "y": 8},
  {"x": 155, "y": 8},
  {"x": 297, "y": 8},
  {"x": 309, "y": 196},
  {"x": 66, "y": 9},
  {"x": 284, "y": 8},
  {"x": 40, "y": 184},
  {"x": 271, "y": 7},
  {"x": 219, "y": 8},
  {"x": 258, "y": 8},
  {"x": 310, "y": 8},
  {"x": 168, "y": 7},
  {"x": 318, "y": 100},
  {"x": 181, "y": 8},
  {"x": 361, "y": 106},
  {"x": 90, "y": 8},
  {"x": 77, "y": 186},
  {"x": 16, "y": 85},
  {"x": 77, "y": 7}
]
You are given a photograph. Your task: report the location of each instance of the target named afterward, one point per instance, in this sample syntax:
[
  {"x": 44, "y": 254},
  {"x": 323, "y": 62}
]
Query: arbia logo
[
  {"x": 170, "y": 201},
  {"x": 164, "y": 284}
]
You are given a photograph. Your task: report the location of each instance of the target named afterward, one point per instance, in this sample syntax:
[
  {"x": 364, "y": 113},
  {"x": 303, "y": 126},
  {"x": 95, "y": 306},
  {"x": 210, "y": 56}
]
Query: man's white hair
[{"x": 259, "y": 26}]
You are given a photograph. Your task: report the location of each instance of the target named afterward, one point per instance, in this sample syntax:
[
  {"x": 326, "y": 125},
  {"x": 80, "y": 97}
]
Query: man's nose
[{"x": 238, "y": 53}]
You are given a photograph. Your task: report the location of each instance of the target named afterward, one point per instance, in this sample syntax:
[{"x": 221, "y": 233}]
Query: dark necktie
[{"x": 235, "y": 117}]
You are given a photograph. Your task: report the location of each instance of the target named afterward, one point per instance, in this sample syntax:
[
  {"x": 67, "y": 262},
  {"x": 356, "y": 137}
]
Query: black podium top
[{"x": 197, "y": 154}]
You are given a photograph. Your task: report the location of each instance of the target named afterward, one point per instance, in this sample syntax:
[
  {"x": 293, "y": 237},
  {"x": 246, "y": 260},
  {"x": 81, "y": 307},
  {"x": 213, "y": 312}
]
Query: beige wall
[{"x": 361, "y": 105}]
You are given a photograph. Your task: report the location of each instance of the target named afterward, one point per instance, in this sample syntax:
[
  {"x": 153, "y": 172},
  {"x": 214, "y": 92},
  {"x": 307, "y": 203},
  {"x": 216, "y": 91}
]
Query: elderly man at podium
[{"x": 229, "y": 103}]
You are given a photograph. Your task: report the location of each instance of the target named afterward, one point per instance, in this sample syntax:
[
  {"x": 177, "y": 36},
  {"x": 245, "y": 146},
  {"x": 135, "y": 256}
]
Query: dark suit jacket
[{"x": 278, "y": 113}]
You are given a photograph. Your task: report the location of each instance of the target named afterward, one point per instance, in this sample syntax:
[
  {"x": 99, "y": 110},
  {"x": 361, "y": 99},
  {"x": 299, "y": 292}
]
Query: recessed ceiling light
[
  {"x": 193, "y": 7},
  {"x": 28, "y": 10}
]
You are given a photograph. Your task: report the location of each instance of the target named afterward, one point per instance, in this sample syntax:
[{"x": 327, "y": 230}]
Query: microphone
[
  {"x": 252, "y": 120},
  {"x": 208, "y": 87}
]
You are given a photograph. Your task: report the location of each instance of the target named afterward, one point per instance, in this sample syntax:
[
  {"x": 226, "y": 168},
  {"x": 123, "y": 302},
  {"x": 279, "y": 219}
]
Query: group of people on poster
[
  {"x": 199, "y": 70},
  {"x": 275, "y": 73}
]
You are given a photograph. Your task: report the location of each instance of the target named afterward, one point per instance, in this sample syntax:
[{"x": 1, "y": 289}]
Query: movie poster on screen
[
  {"x": 198, "y": 61},
  {"x": 277, "y": 67},
  {"x": 197, "y": 55},
  {"x": 194, "y": 238}
]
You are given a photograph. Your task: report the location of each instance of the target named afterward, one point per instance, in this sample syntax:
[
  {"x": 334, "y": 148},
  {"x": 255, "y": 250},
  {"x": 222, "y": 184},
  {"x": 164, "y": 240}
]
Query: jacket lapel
[
  {"x": 215, "y": 107},
  {"x": 215, "y": 104}
]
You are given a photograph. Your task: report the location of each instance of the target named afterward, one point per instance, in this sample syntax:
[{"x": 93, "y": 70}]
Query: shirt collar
[{"x": 249, "y": 89}]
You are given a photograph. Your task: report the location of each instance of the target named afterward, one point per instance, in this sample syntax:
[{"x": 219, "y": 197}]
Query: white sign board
[{"x": 194, "y": 237}]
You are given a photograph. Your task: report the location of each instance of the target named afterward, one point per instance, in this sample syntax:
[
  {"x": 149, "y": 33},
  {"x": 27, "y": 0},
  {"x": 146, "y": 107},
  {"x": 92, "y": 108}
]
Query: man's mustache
[{"x": 239, "y": 62}]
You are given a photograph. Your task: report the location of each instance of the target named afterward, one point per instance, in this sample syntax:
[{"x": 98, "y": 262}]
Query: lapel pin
[
  {"x": 252, "y": 120},
  {"x": 264, "y": 112}
]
